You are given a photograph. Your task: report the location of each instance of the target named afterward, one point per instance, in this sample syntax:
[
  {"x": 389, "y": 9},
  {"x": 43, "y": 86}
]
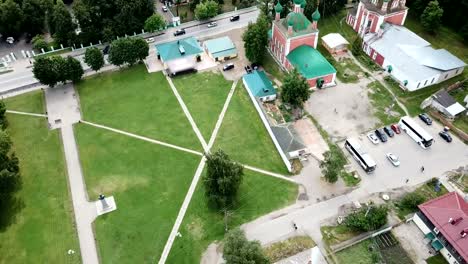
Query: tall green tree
[
  {"x": 295, "y": 90},
  {"x": 256, "y": 39},
  {"x": 46, "y": 70},
  {"x": 431, "y": 18},
  {"x": 94, "y": 58},
  {"x": 11, "y": 18},
  {"x": 73, "y": 69},
  {"x": 332, "y": 164},
  {"x": 128, "y": 51},
  {"x": 36, "y": 12},
  {"x": 206, "y": 9},
  {"x": 63, "y": 27},
  {"x": 367, "y": 219},
  {"x": 222, "y": 180},
  {"x": 238, "y": 250},
  {"x": 154, "y": 23},
  {"x": 3, "y": 119}
]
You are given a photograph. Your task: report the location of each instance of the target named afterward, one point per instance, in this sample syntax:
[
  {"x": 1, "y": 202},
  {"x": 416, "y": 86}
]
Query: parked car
[
  {"x": 373, "y": 138},
  {"x": 10, "y": 40},
  {"x": 381, "y": 135},
  {"x": 106, "y": 49},
  {"x": 248, "y": 69},
  {"x": 255, "y": 66},
  {"x": 150, "y": 40},
  {"x": 234, "y": 18},
  {"x": 389, "y": 131},
  {"x": 393, "y": 159},
  {"x": 179, "y": 32},
  {"x": 212, "y": 24},
  {"x": 228, "y": 67},
  {"x": 425, "y": 118},
  {"x": 446, "y": 136},
  {"x": 396, "y": 128},
  {"x": 164, "y": 8}
]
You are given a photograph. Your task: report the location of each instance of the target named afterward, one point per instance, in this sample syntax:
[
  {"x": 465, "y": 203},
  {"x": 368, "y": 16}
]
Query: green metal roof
[
  {"x": 297, "y": 20},
  {"x": 219, "y": 45},
  {"x": 316, "y": 15},
  {"x": 278, "y": 7},
  {"x": 309, "y": 62},
  {"x": 270, "y": 34},
  {"x": 430, "y": 236},
  {"x": 259, "y": 84},
  {"x": 437, "y": 245},
  {"x": 170, "y": 50}
]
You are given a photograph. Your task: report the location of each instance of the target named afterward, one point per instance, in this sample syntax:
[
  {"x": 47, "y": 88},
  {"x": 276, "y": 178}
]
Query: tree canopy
[
  {"x": 154, "y": 23},
  {"x": 63, "y": 28},
  {"x": 94, "y": 58},
  {"x": 55, "y": 69},
  {"x": 238, "y": 250},
  {"x": 367, "y": 218},
  {"x": 431, "y": 18},
  {"x": 222, "y": 179},
  {"x": 256, "y": 39},
  {"x": 332, "y": 164},
  {"x": 295, "y": 90},
  {"x": 11, "y": 18},
  {"x": 128, "y": 51},
  {"x": 206, "y": 9}
]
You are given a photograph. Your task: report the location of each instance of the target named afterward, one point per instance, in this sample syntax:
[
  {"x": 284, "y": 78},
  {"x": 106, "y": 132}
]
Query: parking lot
[{"x": 437, "y": 159}]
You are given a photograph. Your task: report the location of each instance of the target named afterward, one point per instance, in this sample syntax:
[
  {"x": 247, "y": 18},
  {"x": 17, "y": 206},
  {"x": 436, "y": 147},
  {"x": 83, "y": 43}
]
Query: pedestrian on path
[
  {"x": 422, "y": 168},
  {"x": 336, "y": 112},
  {"x": 295, "y": 226},
  {"x": 407, "y": 180}
]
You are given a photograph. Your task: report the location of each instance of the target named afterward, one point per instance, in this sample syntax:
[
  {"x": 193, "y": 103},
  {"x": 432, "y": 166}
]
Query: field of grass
[
  {"x": 395, "y": 255},
  {"x": 204, "y": 94},
  {"x": 244, "y": 137},
  {"x": 138, "y": 102},
  {"x": 289, "y": 247},
  {"x": 149, "y": 183},
  {"x": 346, "y": 70},
  {"x": 258, "y": 195},
  {"x": 32, "y": 102},
  {"x": 437, "y": 259},
  {"x": 39, "y": 227},
  {"x": 333, "y": 235},
  {"x": 381, "y": 101},
  {"x": 357, "y": 254}
]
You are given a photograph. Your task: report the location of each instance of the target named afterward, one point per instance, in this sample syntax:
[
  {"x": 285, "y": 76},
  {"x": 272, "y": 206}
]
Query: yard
[
  {"x": 272, "y": 68},
  {"x": 149, "y": 183},
  {"x": 138, "y": 102},
  {"x": 346, "y": 70},
  {"x": 358, "y": 254},
  {"x": 40, "y": 226},
  {"x": 244, "y": 137},
  {"x": 333, "y": 235},
  {"x": 202, "y": 225},
  {"x": 204, "y": 94},
  {"x": 385, "y": 107}
]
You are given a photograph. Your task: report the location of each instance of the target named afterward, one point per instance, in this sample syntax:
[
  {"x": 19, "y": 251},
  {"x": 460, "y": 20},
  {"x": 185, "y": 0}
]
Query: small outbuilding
[
  {"x": 335, "y": 43},
  {"x": 446, "y": 104},
  {"x": 289, "y": 140},
  {"x": 220, "y": 49},
  {"x": 259, "y": 86},
  {"x": 179, "y": 55}
]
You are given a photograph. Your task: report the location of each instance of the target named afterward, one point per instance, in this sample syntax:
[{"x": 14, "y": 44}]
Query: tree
[
  {"x": 412, "y": 200},
  {"x": 155, "y": 22},
  {"x": 356, "y": 47},
  {"x": 332, "y": 164},
  {"x": 295, "y": 90},
  {"x": 11, "y": 18},
  {"x": 140, "y": 48},
  {"x": 128, "y": 50},
  {"x": 222, "y": 179},
  {"x": 206, "y": 9},
  {"x": 46, "y": 71},
  {"x": 35, "y": 11},
  {"x": 238, "y": 250},
  {"x": 431, "y": 17},
  {"x": 39, "y": 43},
  {"x": 94, "y": 58},
  {"x": 3, "y": 120},
  {"x": 367, "y": 219},
  {"x": 73, "y": 69},
  {"x": 256, "y": 39},
  {"x": 63, "y": 27}
]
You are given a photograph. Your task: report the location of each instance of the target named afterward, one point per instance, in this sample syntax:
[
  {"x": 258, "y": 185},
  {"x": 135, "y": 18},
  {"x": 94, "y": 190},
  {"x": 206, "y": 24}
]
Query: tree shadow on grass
[{"x": 10, "y": 206}]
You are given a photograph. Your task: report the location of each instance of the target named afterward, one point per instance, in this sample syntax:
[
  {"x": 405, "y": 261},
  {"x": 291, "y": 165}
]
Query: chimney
[
  {"x": 457, "y": 220},
  {"x": 385, "y": 5},
  {"x": 451, "y": 221},
  {"x": 464, "y": 232}
]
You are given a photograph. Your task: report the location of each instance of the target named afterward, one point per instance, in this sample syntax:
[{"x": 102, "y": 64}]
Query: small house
[
  {"x": 289, "y": 140},
  {"x": 179, "y": 55},
  {"x": 259, "y": 86},
  {"x": 444, "y": 103},
  {"x": 220, "y": 49},
  {"x": 335, "y": 43}
]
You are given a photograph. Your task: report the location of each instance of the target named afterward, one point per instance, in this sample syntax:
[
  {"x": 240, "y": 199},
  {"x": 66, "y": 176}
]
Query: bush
[
  {"x": 367, "y": 219},
  {"x": 39, "y": 43},
  {"x": 412, "y": 200}
]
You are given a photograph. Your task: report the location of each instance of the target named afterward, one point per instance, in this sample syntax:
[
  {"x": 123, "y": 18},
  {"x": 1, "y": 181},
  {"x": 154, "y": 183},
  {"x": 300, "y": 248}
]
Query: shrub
[
  {"x": 412, "y": 200},
  {"x": 367, "y": 219}
]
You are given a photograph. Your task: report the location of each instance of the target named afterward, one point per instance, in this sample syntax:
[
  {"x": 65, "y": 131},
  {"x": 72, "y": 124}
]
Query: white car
[
  {"x": 149, "y": 40},
  {"x": 164, "y": 8},
  {"x": 212, "y": 24},
  {"x": 393, "y": 159},
  {"x": 10, "y": 40},
  {"x": 373, "y": 138}
]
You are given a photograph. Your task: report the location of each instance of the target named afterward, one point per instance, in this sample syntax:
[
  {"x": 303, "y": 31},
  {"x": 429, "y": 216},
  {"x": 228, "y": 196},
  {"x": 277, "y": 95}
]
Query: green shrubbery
[{"x": 367, "y": 219}]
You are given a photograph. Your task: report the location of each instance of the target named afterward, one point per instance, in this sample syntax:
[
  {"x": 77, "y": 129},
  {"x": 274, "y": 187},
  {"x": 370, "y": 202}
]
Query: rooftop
[
  {"x": 172, "y": 50},
  {"x": 288, "y": 139},
  {"x": 444, "y": 98},
  {"x": 334, "y": 40},
  {"x": 309, "y": 62},
  {"x": 440, "y": 210},
  {"x": 259, "y": 84},
  {"x": 301, "y": 25},
  {"x": 219, "y": 46},
  {"x": 378, "y": 7}
]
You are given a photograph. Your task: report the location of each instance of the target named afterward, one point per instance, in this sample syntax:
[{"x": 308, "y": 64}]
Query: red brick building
[{"x": 293, "y": 42}]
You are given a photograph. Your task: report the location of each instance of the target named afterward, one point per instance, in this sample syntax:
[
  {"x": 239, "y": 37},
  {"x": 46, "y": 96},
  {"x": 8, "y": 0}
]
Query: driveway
[{"x": 412, "y": 240}]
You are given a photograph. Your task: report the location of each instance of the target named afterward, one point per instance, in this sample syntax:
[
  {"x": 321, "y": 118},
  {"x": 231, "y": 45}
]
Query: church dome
[
  {"x": 303, "y": 5},
  {"x": 316, "y": 15},
  {"x": 278, "y": 7}
]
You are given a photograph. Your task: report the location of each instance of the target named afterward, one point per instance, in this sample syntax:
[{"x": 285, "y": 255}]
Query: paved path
[
  {"x": 25, "y": 113},
  {"x": 273, "y": 174},
  {"x": 154, "y": 141},
  {"x": 85, "y": 212}
]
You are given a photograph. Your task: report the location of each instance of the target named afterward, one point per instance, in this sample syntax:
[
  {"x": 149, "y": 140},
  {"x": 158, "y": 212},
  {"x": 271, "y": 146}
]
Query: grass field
[
  {"x": 437, "y": 259},
  {"x": 149, "y": 183},
  {"x": 289, "y": 247},
  {"x": 258, "y": 195},
  {"x": 42, "y": 229},
  {"x": 204, "y": 94},
  {"x": 244, "y": 137},
  {"x": 382, "y": 100},
  {"x": 346, "y": 70},
  {"x": 333, "y": 235},
  {"x": 138, "y": 102},
  {"x": 32, "y": 102},
  {"x": 357, "y": 254}
]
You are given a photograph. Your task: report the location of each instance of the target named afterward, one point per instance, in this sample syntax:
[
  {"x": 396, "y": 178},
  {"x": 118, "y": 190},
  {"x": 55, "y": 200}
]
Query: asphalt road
[{"x": 23, "y": 76}]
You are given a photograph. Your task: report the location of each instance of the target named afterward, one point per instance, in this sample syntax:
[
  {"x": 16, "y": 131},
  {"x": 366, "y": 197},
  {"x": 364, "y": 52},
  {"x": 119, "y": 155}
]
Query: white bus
[
  {"x": 364, "y": 159},
  {"x": 416, "y": 132}
]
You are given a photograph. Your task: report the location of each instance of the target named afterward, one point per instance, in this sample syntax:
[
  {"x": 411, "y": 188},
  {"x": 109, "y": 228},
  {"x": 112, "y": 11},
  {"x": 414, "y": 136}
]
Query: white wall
[
  {"x": 448, "y": 256},
  {"x": 449, "y": 74}
]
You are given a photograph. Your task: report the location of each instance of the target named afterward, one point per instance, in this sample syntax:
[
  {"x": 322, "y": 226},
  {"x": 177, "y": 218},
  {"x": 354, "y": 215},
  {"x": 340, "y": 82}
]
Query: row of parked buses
[{"x": 416, "y": 132}]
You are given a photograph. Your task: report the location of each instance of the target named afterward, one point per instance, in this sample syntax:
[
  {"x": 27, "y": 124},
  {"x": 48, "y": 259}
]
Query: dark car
[
  {"x": 425, "y": 118},
  {"x": 389, "y": 131},
  {"x": 179, "y": 32},
  {"x": 446, "y": 136},
  {"x": 396, "y": 128},
  {"x": 248, "y": 69},
  {"x": 255, "y": 66},
  {"x": 234, "y": 18},
  {"x": 381, "y": 135},
  {"x": 228, "y": 67},
  {"x": 106, "y": 50}
]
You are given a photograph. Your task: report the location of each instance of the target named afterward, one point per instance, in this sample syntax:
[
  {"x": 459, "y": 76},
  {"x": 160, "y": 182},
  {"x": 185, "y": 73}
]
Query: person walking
[
  {"x": 407, "y": 180},
  {"x": 422, "y": 168}
]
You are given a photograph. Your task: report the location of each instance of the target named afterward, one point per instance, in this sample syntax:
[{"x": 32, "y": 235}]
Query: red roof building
[{"x": 444, "y": 221}]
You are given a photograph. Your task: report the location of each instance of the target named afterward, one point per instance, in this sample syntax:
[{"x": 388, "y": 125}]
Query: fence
[
  {"x": 355, "y": 240},
  {"x": 462, "y": 135}
]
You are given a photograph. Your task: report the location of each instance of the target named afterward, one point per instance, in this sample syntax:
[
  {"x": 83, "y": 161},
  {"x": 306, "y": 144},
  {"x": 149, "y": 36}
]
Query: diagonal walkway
[
  {"x": 25, "y": 113},
  {"x": 154, "y": 141},
  {"x": 276, "y": 175}
]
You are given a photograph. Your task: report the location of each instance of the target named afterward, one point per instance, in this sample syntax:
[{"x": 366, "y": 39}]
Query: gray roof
[
  {"x": 378, "y": 8},
  {"x": 411, "y": 54},
  {"x": 444, "y": 98},
  {"x": 288, "y": 138}
]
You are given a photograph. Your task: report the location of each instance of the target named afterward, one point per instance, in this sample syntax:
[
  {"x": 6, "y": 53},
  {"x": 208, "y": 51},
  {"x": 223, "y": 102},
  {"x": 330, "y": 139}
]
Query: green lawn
[
  {"x": 32, "y": 102},
  {"x": 289, "y": 247},
  {"x": 202, "y": 226},
  {"x": 244, "y": 137},
  {"x": 43, "y": 229},
  {"x": 204, "y": 94},
  {"x": 382, "y": 100},
  {"x": 437, "y": 259},
  {"x": 333, "y": 235},
  {"x": 357, "y": 254},
  {"x": 149, "y": 183},
  {"x": 346, "y": 70},
  {"x": 138, "y": 102}
]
